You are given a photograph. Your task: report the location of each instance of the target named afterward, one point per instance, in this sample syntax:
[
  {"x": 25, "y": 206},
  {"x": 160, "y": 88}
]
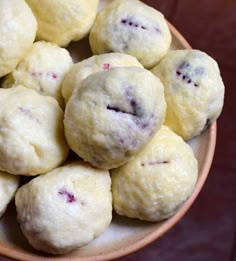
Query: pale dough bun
[
  {"x": 61, "y": 21},
  {"x": 194, "y": 91},
  {"x": 131, "y": 27},
  {"x": 96, "y": 63},
  {"x": 113, "y": 114},
  {"x": 8, "y": 186},
  {"x": 31, "y": 133},
  {"x": 157, "y": 181},
  {"x": 18, "y": 28},
  {"x": 65, "y": 208},
  {"x": 42, "y": 69}
]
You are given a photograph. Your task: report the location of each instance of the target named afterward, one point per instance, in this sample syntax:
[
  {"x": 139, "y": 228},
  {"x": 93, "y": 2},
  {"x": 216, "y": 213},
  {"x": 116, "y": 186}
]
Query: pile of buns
[{"x": 126, "y": 113}]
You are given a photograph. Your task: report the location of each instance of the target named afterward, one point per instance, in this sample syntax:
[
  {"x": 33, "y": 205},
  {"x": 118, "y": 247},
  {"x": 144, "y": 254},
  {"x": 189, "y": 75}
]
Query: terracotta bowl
[{"x": 124, "y": 235}]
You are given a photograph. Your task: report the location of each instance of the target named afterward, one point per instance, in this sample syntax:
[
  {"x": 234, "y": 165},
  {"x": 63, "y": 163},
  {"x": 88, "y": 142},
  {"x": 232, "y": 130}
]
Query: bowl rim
[{"x": 18, "y": 254}]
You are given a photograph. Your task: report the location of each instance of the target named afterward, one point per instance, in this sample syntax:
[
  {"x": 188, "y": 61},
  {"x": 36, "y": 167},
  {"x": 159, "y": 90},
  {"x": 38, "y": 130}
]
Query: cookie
[
  {"x": 154, "y": 184},
  {"x": 62, "y": 21},
  {"x": 31, "y": 132},
  {"x": 113, "y": 114},
  {"x": 194, "y": 91},
  {"x": 131, "y": 27},
  {"x": 18, "y": 28},
  {"x": 42, "y": 69},
  {"x": 96, "y": 63},
  {"x": 65, "y": 208}
]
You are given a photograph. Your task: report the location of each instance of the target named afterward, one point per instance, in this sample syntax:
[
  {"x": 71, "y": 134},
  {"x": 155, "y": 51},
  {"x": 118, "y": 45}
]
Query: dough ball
[
  {"x": 157, "y": 181},
  {"x": 65, "y": 208},
  {"x": 194, "y": 91},
  {"x": 43, "y": 69},
  {"x": 131, "y": 27},
  {"x": 31, "y": 132},
  {"x": 61, "y": 21},
  {"x": 96, "y": 63},
  {"x": 18, "y": 28},
  {"x": 113, "y": 114},
  {"x": 8, "y": 186}
]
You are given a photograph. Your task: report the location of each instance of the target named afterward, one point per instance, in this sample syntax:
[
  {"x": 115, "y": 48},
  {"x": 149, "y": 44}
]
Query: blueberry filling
[
  {"x": 131, "y": 23},
  {"x": 183, "y": 65},
  {"x": 142, "y": 123},
  {"x": 40, "y": 74},
  {"x": 185, "y": 72},
  {"x": 135, "y": 110},
  {"x": 106, "y": 66},
  {"x": 69, "y": 196},
  {"x": 152, "y": 163},
  {"x": 119, "y": 110}
]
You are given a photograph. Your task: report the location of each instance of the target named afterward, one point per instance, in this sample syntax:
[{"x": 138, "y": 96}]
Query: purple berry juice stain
[
  {"x": 69, "y": 196},
  {"x": 199, "y": 71},
  {"x": 54, "y": 76},
  {"x": 27, "y": 112},
  {"x": 106, "y": 66},
  {"x": 41, "y": 74}
]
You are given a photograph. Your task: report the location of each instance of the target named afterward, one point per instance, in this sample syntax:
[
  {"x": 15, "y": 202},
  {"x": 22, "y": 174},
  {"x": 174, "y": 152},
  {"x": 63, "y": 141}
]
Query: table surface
[{"x": 208, "y": 230}]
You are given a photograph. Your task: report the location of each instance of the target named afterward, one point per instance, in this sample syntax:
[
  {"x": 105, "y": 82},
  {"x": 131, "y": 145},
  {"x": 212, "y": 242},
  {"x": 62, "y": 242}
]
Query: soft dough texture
[
  {"x": 43, "y": 69},
  {"x": 31, "y": 132},
  {"x": 66, "y": 208},
  {"x": 113, "y": 114},
  {"x": 17, "y": 32},
  {"x": 8, "y": 186},
  {"x": 157, "y": 181},
  {"x": 194, "y": 91},
  {"x": 131, "y": 27},
  {"x": 96, "y": 63},
  {"x": 61, "y": 21}
]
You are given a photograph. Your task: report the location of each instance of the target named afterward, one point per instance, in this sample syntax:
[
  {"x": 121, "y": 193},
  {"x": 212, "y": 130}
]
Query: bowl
[{"x": 124, "y": 235}]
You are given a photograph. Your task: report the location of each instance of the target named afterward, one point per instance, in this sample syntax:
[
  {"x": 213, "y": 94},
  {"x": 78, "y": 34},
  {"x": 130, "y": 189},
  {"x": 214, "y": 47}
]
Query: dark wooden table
[{"x": 208, "y": 230}]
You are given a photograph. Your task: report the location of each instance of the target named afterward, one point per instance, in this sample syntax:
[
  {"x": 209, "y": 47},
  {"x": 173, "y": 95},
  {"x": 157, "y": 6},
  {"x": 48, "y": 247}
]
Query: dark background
[{"x": 208, "y": 230}]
